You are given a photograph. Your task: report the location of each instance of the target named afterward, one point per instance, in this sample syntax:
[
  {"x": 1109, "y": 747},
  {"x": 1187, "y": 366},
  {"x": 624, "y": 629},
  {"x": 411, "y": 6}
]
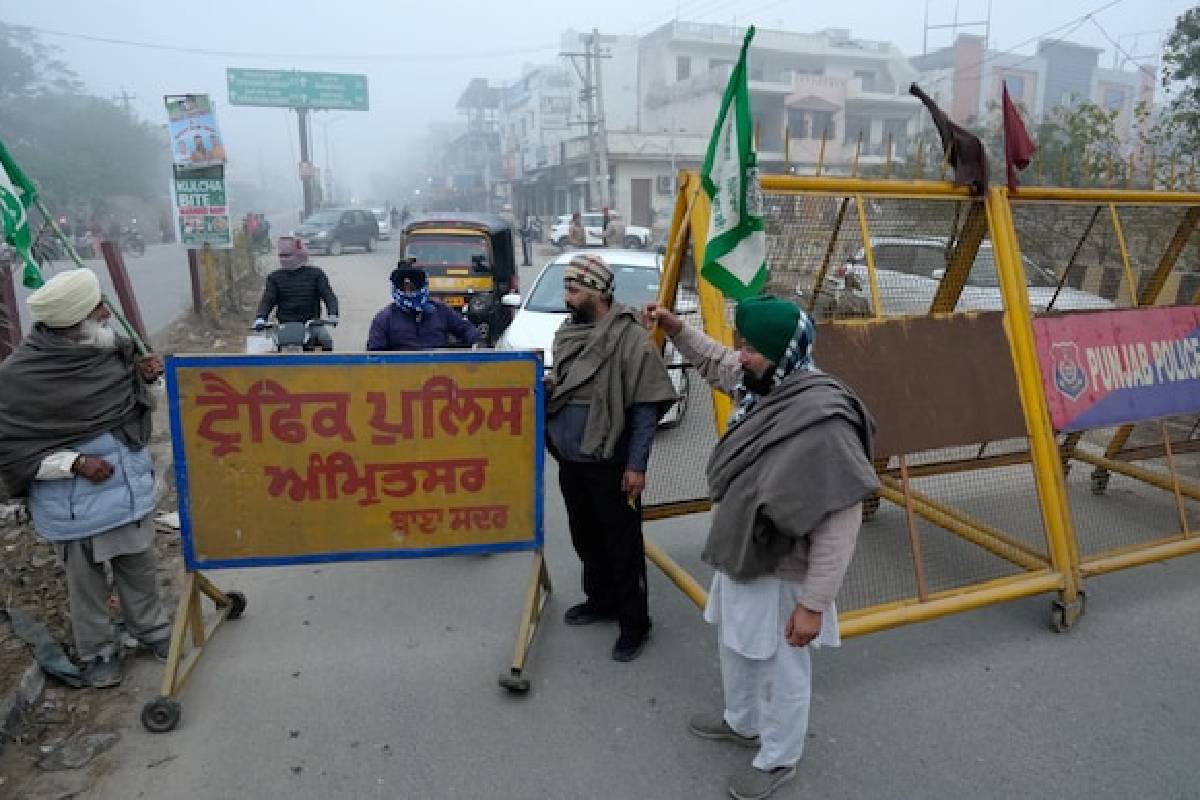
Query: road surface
[{"x": 378, "y": 680}]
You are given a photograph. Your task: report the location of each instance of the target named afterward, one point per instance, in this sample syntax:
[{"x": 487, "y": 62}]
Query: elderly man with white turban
[
  {"x": 74, "y": 425},
  {"x": 610, "y": 387}
]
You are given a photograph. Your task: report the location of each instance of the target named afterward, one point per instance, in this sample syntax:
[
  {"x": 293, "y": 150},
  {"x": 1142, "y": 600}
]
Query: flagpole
[{"x": 70, "y": 248}]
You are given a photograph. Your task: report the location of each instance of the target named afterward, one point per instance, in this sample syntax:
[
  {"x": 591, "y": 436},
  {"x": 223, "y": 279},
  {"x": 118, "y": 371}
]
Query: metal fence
[{"x": 925, "y": 299}]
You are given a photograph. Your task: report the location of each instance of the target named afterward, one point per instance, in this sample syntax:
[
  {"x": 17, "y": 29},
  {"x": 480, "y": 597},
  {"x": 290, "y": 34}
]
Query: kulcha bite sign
[{"x": 203, "y": 208}]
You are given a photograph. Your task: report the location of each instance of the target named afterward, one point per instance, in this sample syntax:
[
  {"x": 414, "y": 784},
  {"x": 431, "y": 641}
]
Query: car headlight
[{"x": 323, "y": 235}]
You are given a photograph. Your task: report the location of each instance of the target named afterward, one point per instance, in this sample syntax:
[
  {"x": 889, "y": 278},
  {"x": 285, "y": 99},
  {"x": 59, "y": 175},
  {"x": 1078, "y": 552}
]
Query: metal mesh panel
[{"x": 682, "y": 446}]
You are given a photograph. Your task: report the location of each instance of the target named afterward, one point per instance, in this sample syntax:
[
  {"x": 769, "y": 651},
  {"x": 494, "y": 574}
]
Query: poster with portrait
[{"x": 195, "y": 138}]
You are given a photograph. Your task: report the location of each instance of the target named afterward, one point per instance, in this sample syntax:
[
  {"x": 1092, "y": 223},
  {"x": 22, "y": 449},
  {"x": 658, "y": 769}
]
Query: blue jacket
[
  {"x": 75, "y": 508},
  {"x": 396, "y": 329}
]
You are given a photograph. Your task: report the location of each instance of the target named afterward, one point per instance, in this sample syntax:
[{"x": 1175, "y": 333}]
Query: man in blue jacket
[
  {"x": 74, "y": 425},
  {"x": 415, "y": 321}
]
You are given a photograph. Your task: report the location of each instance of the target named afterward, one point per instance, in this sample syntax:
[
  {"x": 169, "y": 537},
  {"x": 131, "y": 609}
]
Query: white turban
[{"x": 66, "y": 299}]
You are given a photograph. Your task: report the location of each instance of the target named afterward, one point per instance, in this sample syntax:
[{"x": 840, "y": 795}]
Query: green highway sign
[{"x": 293, "y": 89}]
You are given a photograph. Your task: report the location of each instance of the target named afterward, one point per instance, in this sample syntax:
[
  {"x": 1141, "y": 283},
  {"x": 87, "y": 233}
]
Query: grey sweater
[{"x": 778, "y": 485}]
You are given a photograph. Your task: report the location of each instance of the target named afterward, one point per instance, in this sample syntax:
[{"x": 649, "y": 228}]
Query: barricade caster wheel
[
  {"x": 1100, "y": 480},
  {"x": 1063, "y": 616},
  {"x": 869, "y": 507},
  {"x": 514, "y": 682},
  {"x": 161, "y": 714},
  {"x": 237, "y": 604}
]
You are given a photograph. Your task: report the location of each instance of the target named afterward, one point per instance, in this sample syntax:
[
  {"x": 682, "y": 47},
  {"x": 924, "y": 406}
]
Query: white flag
[{"x": 735, "y": 257}]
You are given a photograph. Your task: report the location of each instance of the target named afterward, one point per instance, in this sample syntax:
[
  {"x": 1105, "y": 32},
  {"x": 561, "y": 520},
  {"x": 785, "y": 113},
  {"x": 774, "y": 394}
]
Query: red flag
[{"x": 1018, "y": 147}]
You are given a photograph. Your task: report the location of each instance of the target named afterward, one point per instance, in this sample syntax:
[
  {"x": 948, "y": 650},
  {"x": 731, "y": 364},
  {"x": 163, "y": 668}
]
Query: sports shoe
[
  {"x": 101, "y": 672},
  {"x": 586, "y": 614},
  {"x": 629, "y": 645},
  {"x": 707, "y": 726},
  {"x": 755, "y": 784},
  {"x": 160, "y": 648}
]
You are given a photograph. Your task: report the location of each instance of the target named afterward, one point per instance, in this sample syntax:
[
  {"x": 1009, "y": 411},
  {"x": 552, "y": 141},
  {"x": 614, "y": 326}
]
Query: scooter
[
  {"x": 132, "y": 241},
  {"x": 287, "y": 337}
]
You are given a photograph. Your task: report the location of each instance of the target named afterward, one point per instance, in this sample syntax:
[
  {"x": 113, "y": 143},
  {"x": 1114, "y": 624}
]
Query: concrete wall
[{"x": 1069, "y": 70}]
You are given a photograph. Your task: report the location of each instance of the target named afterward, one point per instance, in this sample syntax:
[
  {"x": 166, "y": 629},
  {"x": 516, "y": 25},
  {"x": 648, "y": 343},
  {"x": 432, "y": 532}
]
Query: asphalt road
[{"x": 379, "y": 681}]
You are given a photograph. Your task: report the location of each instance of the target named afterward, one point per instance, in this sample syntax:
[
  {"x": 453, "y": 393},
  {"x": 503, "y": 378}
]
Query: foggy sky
[{"x": 419, "y": 55}]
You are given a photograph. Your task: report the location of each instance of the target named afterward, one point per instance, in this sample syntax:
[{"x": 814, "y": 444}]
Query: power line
[
  {"x": 364, "y": 57},
  {"x": 1116, "y": 44}
]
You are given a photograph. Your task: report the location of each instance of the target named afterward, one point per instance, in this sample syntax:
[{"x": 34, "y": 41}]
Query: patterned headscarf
[
  {"x": 591, "y": 272},
  {"x": 412, "y": 302},
  {"x": 797, "y": 357}
]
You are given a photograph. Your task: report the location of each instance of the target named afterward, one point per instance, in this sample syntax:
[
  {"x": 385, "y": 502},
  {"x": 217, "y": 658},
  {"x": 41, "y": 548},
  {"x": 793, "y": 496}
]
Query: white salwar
[{"x": 767, "y": 682}]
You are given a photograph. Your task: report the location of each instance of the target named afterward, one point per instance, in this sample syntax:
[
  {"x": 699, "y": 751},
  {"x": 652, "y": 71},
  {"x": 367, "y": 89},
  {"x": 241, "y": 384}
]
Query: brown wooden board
[{"x": 930, "y": 381}]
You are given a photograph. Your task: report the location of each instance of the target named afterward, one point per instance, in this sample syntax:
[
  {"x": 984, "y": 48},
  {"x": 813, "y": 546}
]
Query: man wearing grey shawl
[
  {"x": 609, "y": 389},
  {"x": 74, "y": 425},
  {"x": 788, "y": 477}
]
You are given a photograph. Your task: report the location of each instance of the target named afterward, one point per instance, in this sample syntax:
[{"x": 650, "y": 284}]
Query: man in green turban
[{"x": 788, "y": 478}]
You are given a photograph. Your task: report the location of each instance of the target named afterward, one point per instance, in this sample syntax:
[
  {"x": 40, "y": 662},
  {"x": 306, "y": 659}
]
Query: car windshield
[
  {"x": 983, "y": 271},
  {"x": 632, "y": 286},
  {"x": 324, "y": 219},
  {"x": 436, "y": 253}
]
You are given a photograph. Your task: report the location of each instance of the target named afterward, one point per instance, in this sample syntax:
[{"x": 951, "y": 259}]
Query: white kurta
[{"x": 767, "y": 682}]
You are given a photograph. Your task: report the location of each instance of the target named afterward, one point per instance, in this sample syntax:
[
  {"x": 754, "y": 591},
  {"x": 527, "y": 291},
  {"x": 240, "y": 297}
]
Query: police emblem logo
[{"x": 1069, "y": 375}]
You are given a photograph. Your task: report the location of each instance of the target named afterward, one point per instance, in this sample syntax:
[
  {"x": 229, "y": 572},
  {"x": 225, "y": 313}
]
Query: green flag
[
  {"x": 735, "y": 257},
  {"x": 17, "y": 194}
]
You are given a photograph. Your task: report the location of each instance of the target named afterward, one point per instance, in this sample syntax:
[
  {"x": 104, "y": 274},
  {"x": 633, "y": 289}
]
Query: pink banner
[{"x": 1109, "y": 368}]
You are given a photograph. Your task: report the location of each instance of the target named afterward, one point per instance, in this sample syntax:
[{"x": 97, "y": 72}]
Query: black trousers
[{"x": 607, "y": 535}]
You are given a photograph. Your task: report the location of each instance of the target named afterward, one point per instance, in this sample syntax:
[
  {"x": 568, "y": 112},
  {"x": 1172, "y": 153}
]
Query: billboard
[{"x": 195, "y": 139}]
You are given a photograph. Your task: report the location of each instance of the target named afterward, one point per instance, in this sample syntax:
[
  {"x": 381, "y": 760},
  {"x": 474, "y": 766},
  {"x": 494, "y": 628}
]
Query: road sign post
[{"x": 302, "y": 91}]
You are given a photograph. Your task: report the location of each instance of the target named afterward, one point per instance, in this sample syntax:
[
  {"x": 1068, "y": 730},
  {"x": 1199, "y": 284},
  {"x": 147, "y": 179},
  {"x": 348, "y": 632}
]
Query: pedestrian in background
[
  {"x": 614, "y": 230},
  {"x": 576, "y": 233},
  {"x": 788, "y": 478},
  {"x": 609, "y": 388}
]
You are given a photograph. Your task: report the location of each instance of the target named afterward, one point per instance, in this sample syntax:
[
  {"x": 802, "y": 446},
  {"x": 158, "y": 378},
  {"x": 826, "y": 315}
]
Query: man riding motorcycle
[{"x": 296, "y": 291}]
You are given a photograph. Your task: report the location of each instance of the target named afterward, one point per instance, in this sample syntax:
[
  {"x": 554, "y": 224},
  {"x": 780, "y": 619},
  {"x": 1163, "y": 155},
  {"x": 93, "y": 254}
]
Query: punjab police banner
[
  {"x": 302, "y": 459},
  {"x": 1116, "y": 367}
]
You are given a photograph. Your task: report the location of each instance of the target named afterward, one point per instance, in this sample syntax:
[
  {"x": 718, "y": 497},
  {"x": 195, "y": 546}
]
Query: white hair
[{"x": 101, "y": 335}]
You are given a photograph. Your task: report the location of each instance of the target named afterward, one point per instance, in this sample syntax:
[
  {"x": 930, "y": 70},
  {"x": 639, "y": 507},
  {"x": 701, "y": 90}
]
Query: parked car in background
[
  {"x": 636, "y": 277},
  {"x": 636, "y": 236},
  {"x": 383, "y": 220},
  {"x": 330, "y": 230},
  {"x": 909, "y": 271}
]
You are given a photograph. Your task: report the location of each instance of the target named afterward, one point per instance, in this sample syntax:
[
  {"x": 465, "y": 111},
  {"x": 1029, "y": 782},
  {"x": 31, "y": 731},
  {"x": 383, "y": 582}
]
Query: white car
[
  {"x": 909, "y": 270},
  {"x": 385, "y": 222},
  {"x": 636, "y": 236},
  {"x": 541, "y": 312}
]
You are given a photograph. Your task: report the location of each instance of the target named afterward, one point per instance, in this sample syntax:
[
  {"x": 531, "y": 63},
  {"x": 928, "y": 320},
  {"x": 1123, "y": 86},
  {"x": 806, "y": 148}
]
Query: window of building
[
  {"x": 715, "y": 64},
  {"x": 1114, "y": 99},
  {"x": 1016, "y": 86},
  {"x": 683, "y": 67},
  {"x": 897, "y": 129},
  {"x": 822, "y": 124},
  {"x": 868, "y": 79},
  {"x": 797, "y": 123},
  {"x": 856, "y": 125}
]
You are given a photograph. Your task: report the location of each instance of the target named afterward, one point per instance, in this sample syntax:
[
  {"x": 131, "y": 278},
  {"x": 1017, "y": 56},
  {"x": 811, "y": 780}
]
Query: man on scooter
[
  {"x": 415, "y": 321},
  {"x": 296, "y": 291}
]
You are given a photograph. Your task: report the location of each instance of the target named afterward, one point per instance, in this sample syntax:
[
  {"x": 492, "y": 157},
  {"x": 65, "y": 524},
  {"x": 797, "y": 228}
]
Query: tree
[
  {"x": 1181, "y": 78},
  {"x": 80, "y": 149}
]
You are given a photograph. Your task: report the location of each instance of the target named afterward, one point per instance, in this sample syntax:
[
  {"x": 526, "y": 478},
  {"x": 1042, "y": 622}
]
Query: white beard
[{"x": 97, "y": 334}]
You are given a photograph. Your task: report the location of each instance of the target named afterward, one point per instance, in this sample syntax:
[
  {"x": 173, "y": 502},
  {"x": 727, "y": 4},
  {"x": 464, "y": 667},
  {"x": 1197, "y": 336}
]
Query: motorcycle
[
  {"x": 287, "y": 337},
  {"x": 132, "y": 241}
]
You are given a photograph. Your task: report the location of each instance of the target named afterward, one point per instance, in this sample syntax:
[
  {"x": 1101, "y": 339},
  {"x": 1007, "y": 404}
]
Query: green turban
[{"x": 768, "y": 324}]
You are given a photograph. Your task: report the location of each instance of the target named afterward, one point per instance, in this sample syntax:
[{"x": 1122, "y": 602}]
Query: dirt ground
[{"x": 32, "y": 579}]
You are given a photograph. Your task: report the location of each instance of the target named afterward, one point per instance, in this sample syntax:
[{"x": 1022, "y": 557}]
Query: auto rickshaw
[{"x": 470, "y": 263}]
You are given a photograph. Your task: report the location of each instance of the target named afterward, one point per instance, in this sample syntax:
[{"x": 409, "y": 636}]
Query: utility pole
[
  {"x": 601, "y": 128},
  {"x": 589, "y": 94},
  {"x": 305, "y": 163},
  {"x": 123, "y": 98}
]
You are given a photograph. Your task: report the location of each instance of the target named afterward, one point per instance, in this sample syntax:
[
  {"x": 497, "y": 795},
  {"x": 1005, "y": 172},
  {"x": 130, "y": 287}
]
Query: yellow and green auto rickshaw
[{"x": 470, "y": 263}]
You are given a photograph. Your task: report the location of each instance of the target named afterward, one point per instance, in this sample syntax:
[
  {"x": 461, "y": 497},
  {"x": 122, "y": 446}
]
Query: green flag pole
[{"x": 109, "y": 304}]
